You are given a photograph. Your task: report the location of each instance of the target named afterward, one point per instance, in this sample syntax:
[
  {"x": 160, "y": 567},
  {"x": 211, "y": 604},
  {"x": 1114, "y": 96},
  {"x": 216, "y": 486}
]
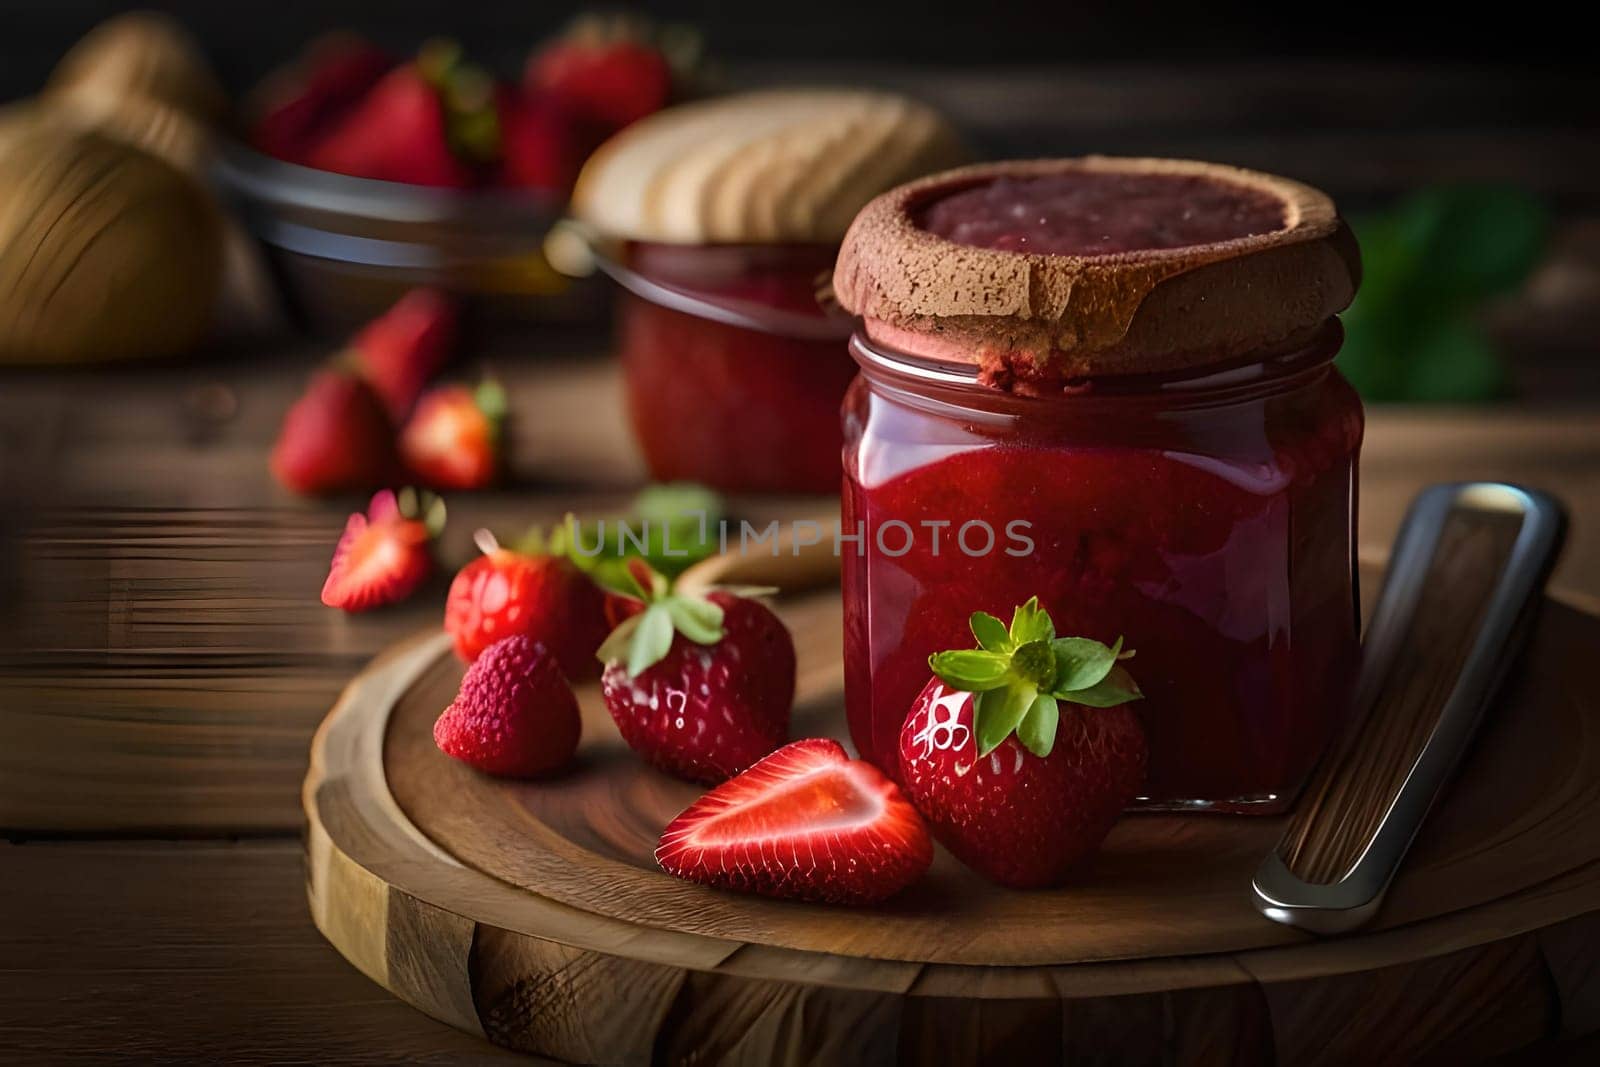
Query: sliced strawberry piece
[
  {"x": 452, "y": 440},
  {"x": 336, "y": 436},
  {"x": 806, "y": 822},
  {"x": 515, "y": 716},
  {"x": 400, "y": 351},
  {"x": 293, "y": 107},
  {"x": 383, "y": 555}
]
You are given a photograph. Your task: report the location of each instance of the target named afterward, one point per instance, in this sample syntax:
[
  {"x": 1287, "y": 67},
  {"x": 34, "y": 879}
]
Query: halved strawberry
[
  {"x": 806, "y": 822},
  {"x": 383, "y": 555},
  {"x": 401, "y": 350},
  {"x": 452, "y": 440}
]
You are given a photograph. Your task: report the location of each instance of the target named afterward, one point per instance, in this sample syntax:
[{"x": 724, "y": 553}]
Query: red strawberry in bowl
[
  {"x": 540, "y": 145},
  {"x": 452, "y": 440},
  {"x": 294, "y": 106},
  {"x": 544, "y": 596},
  {"x": 603, "y": 72},
  {"x": 516, "y": 716},
  {"x": 384, "y": 554},
  {"x": 1021, "y": 753},
  {"x": 806, "y": 822},
  {"x": 336, "y": 436},
  {"x": 401, "y": 350},
  {"x": 398, "y": 132},
  {"x": 699, "y": 685}
]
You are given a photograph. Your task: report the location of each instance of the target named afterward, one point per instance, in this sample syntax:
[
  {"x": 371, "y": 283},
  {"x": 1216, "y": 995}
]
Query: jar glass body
[
  {"x": 1208, "y": 520},
  {"x": 732, "y": 373}
]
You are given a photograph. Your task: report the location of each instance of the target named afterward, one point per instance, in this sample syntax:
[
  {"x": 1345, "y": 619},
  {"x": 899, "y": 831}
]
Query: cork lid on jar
[
  {"x": 780, "y": 166},
  {"x": 1047, "y": 270}
]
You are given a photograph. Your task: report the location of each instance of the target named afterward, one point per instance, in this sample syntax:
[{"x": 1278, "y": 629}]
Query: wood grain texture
[
  {"x": 163, "y": 952},
  {"x": 1528, "y": 811},
  {"x": 163, "y": 657},
  {"x": 573, "y": 926},
  {"x": 1355, "y": 786}
]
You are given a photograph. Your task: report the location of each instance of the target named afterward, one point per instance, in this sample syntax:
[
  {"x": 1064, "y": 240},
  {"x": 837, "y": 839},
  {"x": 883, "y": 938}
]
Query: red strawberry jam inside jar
[
  {"x": 720, "y": 220},
  {"x": 1110, "y": 384},
  {"x": 732, "y": 372}
]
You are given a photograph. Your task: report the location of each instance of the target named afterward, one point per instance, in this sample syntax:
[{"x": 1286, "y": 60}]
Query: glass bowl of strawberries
[{"x": 364, "y": 174}]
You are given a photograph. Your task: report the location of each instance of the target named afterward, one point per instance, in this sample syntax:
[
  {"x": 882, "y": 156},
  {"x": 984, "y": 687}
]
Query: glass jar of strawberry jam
[
  {"x": 719, "y": 220},
  {"x": 1109, "y": 384},
  {"x": 731, "y": 370}
]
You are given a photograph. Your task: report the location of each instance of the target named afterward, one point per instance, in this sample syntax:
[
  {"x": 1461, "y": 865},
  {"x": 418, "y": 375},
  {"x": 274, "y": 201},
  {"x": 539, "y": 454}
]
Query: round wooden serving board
[{"x": 533, "y": 913}]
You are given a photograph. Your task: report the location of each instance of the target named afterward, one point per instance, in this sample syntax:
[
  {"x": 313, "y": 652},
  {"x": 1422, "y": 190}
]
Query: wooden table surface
[{"x": 164, "y": 660}]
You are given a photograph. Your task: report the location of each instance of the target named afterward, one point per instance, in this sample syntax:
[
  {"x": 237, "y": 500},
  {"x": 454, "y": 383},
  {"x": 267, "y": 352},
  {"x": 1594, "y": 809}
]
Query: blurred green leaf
[
  {"x": 676, "y": 523},
  {"x": 1477, "y": 241},
  {"x": 1455, "y": 363},
  {"x": 1429, "y": 265}
]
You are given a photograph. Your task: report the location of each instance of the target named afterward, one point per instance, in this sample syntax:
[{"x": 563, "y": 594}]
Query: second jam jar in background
[
  {"x": 1110, "y": 384},
  {"x": 720, "y": 220}
]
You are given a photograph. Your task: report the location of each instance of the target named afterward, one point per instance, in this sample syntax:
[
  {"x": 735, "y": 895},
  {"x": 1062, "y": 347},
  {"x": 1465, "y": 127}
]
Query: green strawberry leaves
[
  {"x": 1037, "y": 731},
  {"x": 643, "y": 640},
  {"x": 1021, "y": 673},
  {"x": 1117, "y": 687},
  {"x": 1030, "y": 622},
  {"x": 651, "y": 639},
  {"x": 990, "y": 632},
  {"x": 1081, "y": 663},
  {"x": 490, "y": 398},
  {"x": 973, "y": 670},
  {"x": 998, "y": 712},
  {"x": 423, "y": 506},
  {"x": 671, "y": 527}
]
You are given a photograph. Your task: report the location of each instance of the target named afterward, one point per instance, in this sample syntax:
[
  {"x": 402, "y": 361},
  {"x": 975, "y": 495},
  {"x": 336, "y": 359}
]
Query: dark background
[
  {"x": 245, "y": 37},
  {"x": 1367, "y": 104}
]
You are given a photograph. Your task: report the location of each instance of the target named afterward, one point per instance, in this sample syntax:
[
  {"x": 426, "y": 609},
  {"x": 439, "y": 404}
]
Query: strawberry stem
[
  {"x": 1020, "y": 674},
  {"x": 643, "y": 640}
]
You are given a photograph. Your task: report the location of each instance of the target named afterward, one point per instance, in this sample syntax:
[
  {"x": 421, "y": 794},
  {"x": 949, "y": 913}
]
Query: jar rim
[
  {"x": 1258, "y": 373},
  {"x": 727, "y": 310},
  {"x": 1137, "y": 311}
]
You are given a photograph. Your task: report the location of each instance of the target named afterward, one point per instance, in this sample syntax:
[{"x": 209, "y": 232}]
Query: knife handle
[{"x": 1464, "y": 581}]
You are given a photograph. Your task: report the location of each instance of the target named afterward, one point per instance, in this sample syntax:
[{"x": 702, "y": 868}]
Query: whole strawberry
[
  {"x": 540, "y": 145},
  {"x": 543, "y": 596},
  {"x": 452, "y": 440},
  {"x": 336, "y": 436},
  {"x": 398, "y": 132},
  {"x": 401, "y": 350},
  {"x": 384, "y": 554},
  {"x": 603, "y": 72},
  {"x": 515, "y": 716},
  {"x": 700, "y": 686},
  {"x": 293, "y": 106},
  {"x": 806, "y": 822},
  {"x": 1021, "y": 753}
]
